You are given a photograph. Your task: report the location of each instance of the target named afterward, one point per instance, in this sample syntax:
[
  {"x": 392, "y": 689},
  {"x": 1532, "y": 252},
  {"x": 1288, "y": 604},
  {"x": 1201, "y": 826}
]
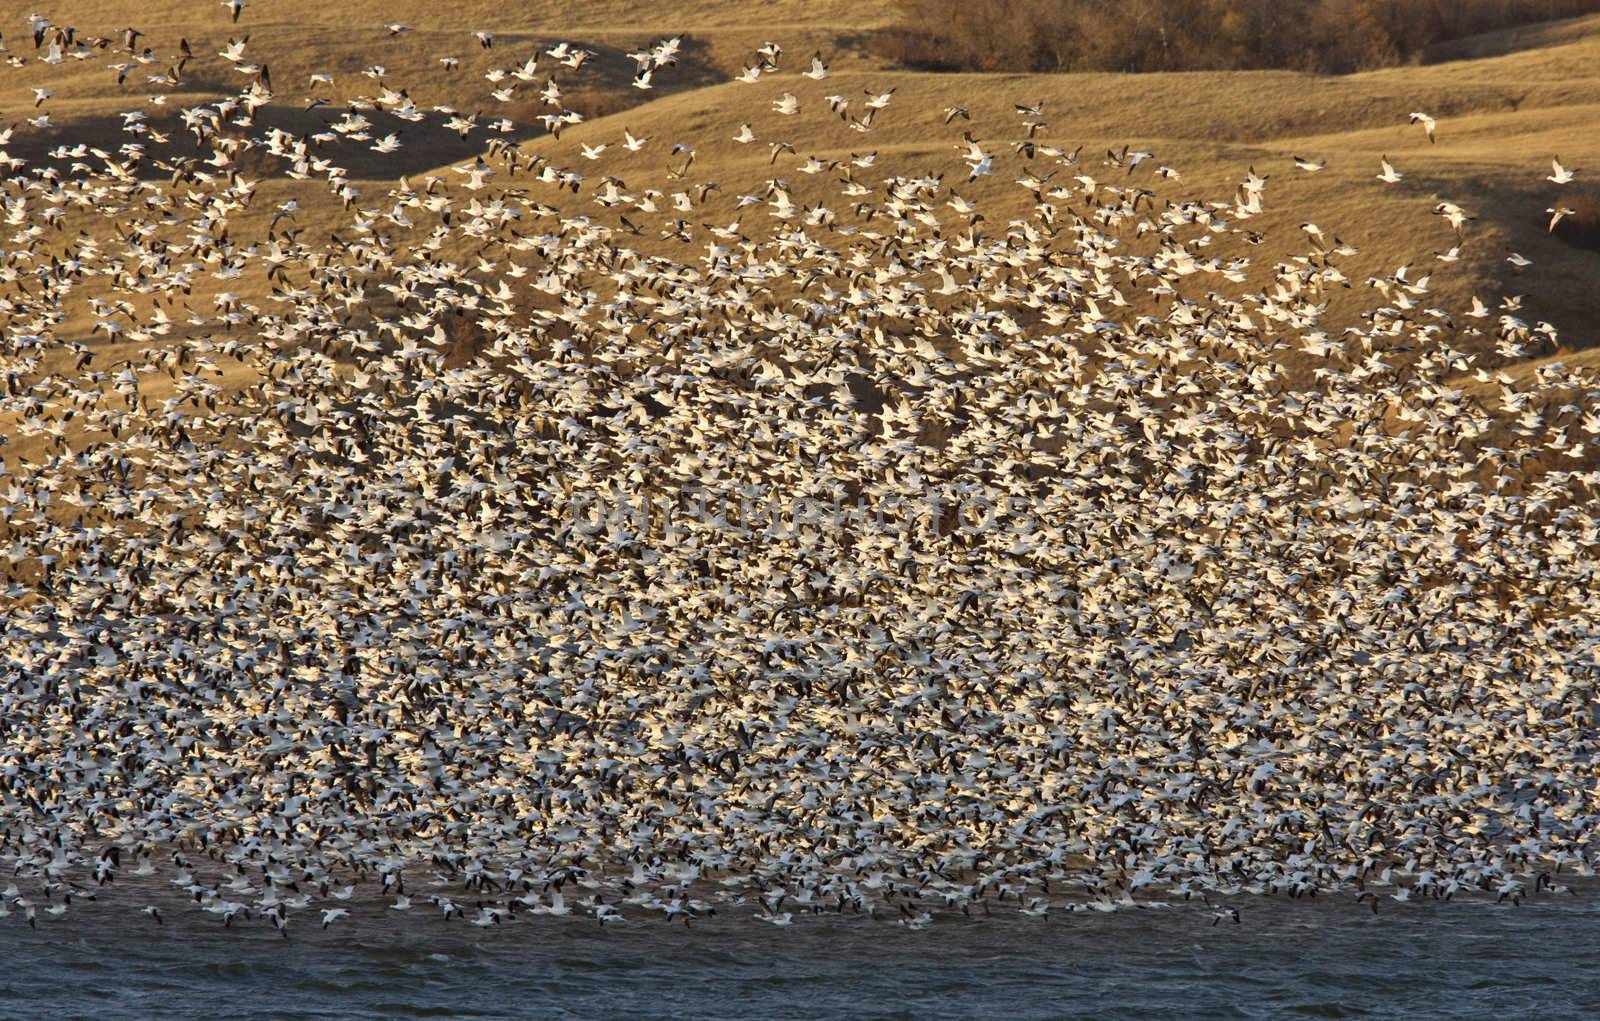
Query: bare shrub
[
  {"x": 917, "y": 49},
  {"x": 1175, "y": 35}
]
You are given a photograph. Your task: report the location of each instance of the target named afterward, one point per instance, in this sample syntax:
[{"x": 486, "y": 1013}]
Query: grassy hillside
[
  {"x": 1520, "y": 98},
  {"x": 1513, "y": 102}
]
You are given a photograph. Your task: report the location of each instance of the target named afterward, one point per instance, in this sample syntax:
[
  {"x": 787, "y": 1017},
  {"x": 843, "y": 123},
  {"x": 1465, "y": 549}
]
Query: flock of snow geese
[{"x": 509, "y": 543}]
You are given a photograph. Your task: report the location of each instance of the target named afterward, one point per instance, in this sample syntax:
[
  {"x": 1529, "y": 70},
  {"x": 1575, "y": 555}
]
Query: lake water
[{"x": 1320, "y": 958}]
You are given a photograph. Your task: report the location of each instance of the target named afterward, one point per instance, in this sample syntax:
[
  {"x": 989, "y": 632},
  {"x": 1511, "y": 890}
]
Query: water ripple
[{"x": 1284, "y": 960}]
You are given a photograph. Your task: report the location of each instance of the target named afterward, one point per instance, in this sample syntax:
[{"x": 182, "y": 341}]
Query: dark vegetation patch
[
  {"x": 1581, "y": 228},
  {"x": 1333, "y": 36}
]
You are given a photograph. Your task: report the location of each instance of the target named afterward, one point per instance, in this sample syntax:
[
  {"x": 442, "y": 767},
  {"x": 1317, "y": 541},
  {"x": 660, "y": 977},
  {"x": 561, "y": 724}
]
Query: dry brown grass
[{"x": 592, "y": 101}]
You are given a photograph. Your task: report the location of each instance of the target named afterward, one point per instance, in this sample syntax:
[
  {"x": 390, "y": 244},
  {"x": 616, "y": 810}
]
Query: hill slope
[{"x": 1503, "y": 116}]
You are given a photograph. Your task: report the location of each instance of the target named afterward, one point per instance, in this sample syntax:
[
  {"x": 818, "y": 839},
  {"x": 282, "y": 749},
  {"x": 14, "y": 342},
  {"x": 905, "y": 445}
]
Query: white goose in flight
[{"x": 1429, "y": 124}]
